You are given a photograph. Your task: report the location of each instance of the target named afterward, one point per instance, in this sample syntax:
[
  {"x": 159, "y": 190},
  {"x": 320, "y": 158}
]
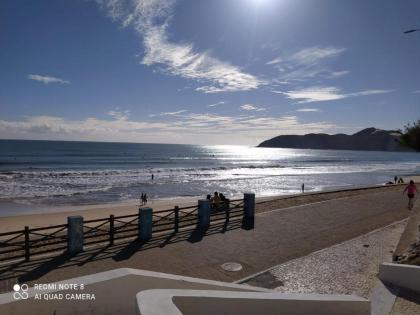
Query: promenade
[{"x": 279, "y": 236}]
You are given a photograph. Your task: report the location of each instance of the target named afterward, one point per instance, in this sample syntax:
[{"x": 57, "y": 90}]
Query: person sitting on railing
[
  {"x": 215, "y": 200},
  {"x": 224, "y": 202}
]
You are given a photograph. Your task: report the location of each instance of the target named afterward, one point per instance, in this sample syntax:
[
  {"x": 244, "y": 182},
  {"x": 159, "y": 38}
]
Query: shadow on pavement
[{"x": 37, "y": 267}]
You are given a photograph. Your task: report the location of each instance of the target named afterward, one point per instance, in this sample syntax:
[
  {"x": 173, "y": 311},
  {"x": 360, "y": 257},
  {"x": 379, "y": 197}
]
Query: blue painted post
[
  {"x": 145, "y": 223},
  {"x": 248, "y": 221},
  {"x": 203, "y": 214},
  {"x": 75, "y": 234}
]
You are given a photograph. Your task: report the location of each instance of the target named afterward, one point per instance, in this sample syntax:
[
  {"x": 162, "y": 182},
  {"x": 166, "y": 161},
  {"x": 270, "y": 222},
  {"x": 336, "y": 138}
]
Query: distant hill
[{"x": 369, "y": 139}]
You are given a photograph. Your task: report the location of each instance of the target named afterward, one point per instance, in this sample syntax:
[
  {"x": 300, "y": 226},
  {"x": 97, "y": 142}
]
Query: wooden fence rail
[{"x": 22, "y": 244}]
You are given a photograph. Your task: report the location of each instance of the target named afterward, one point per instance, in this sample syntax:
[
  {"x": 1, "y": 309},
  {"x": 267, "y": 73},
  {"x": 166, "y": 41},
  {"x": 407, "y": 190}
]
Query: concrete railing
[
  {"x": 409, "y": 236},
  {"x": 209, "y": 302},
  {"x": 404, "y": 276}
]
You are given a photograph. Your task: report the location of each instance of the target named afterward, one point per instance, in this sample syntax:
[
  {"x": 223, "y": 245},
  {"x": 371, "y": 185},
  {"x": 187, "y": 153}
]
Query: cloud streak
[
  {"x": 320, "y": 93},
  {"x": 151, "y": 19},
  {"x": 251, "y": 107},
  {"x": 46, "y": 79},
  {"x": 308, "y": 63},
  {"x": 308, "y": 110},
  {"x": 216, "y": 104}
]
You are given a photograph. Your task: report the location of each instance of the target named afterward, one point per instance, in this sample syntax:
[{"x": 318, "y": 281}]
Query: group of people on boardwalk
[
  {"x": 143, "y": 199},
  {"x": 216, "y": 200}
]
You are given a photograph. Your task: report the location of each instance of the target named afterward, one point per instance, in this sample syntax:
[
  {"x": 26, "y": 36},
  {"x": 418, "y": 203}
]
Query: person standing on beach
[
  {"x": 303, "y": 188},
  {"x": 395, "y": 179},
  {"x": 141, "y": 199},
  {"x": 411, "y": 190},
  {"x": 145, "y": 199}
]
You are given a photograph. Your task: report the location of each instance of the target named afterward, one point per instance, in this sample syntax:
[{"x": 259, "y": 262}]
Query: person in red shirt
[{"x": 411, "y": 190}]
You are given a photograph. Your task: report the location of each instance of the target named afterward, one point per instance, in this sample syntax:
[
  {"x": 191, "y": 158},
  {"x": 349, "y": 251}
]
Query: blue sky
[{"x": 205, "y": 72}]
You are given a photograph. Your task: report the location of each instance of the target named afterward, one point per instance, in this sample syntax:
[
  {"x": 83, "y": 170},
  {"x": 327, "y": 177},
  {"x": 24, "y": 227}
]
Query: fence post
[
  {"x": 145, "y": 223},
  {"x": 248, "y": 221},
  {"x": 75, "y": 234},
  {"x": 176, "y": 213},
  {"x": 111, "y": 229},
  {"x": 27, "y": 253},
  {"x": 227, "y": 210},
  {"x": 204, "y": 209}
]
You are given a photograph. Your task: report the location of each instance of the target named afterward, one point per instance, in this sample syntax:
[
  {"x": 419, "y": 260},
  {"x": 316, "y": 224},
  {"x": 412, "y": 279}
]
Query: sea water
[{"x": 78, "y": 173}]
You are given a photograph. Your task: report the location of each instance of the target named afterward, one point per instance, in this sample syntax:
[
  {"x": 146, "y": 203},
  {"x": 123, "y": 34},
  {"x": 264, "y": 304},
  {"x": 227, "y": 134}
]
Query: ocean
[{"x": 79, "y": 173}]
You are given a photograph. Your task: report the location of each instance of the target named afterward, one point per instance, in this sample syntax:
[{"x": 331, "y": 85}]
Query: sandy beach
[{"x": 18, "y": 222}]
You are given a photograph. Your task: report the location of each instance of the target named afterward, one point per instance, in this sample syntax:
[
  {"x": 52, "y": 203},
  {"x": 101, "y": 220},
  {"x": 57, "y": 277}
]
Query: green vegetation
[{"x": 411, "y": 136}]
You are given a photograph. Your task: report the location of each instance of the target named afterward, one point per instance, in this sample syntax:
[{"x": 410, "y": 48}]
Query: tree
[{"x": 411, "y": 136}]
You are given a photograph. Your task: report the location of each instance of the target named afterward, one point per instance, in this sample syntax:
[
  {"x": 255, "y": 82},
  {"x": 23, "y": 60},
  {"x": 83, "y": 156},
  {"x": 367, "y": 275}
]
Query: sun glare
[{"x": 259, "y": 2}]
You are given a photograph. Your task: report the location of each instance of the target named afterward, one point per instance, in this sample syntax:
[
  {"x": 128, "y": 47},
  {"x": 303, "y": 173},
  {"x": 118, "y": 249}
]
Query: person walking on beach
[
  {"x": 145, "y": 199},
  {"x": 395, "y": 179},
  {"x": 411, "y": 190},
  {"x": 303, "y": 188}
]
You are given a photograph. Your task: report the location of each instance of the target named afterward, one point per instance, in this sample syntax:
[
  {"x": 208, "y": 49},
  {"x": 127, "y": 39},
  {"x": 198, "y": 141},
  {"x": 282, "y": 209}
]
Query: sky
[{"x": 206, "y": 72}]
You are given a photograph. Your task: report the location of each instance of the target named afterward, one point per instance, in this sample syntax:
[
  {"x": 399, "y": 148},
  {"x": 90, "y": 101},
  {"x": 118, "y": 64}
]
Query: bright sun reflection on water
[{"x": 245, "y": 153}]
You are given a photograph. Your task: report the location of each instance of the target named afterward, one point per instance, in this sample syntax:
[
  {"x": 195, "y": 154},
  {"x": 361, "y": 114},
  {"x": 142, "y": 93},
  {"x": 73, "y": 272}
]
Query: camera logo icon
[{"x": 20, "y": 291}]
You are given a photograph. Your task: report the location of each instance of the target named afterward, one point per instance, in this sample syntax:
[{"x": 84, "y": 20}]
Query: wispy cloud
[
  {"x": 217, "y": 104},
  {"x": 313, "y": 94},
  {"x": 416, "y": 92},
  {"x": 118, "y": 114},
  {"x": 176, "y": 113},
  {"x": 151, "y": 20},
  {"x": 336, "y": 74},
  {"x": 275, "y": 61},
  {"x": 308, "y": 110},
  {"x": 320, "y": 93},
  {"x": 313, "y": 55},
  {"x": 251, "y": 107},
  {"x": 173, "y": 113},
  {"x": 46, "y": 79},
  {"x": 307, "y": 64}
]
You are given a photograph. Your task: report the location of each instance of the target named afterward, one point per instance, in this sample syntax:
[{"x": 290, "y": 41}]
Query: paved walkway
[
  {"x": 408, "y": 303},
  {"x": 347, "y": 268},
  {"x": 279, "y": 236},
  {"x": 410, "y": 235}
]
